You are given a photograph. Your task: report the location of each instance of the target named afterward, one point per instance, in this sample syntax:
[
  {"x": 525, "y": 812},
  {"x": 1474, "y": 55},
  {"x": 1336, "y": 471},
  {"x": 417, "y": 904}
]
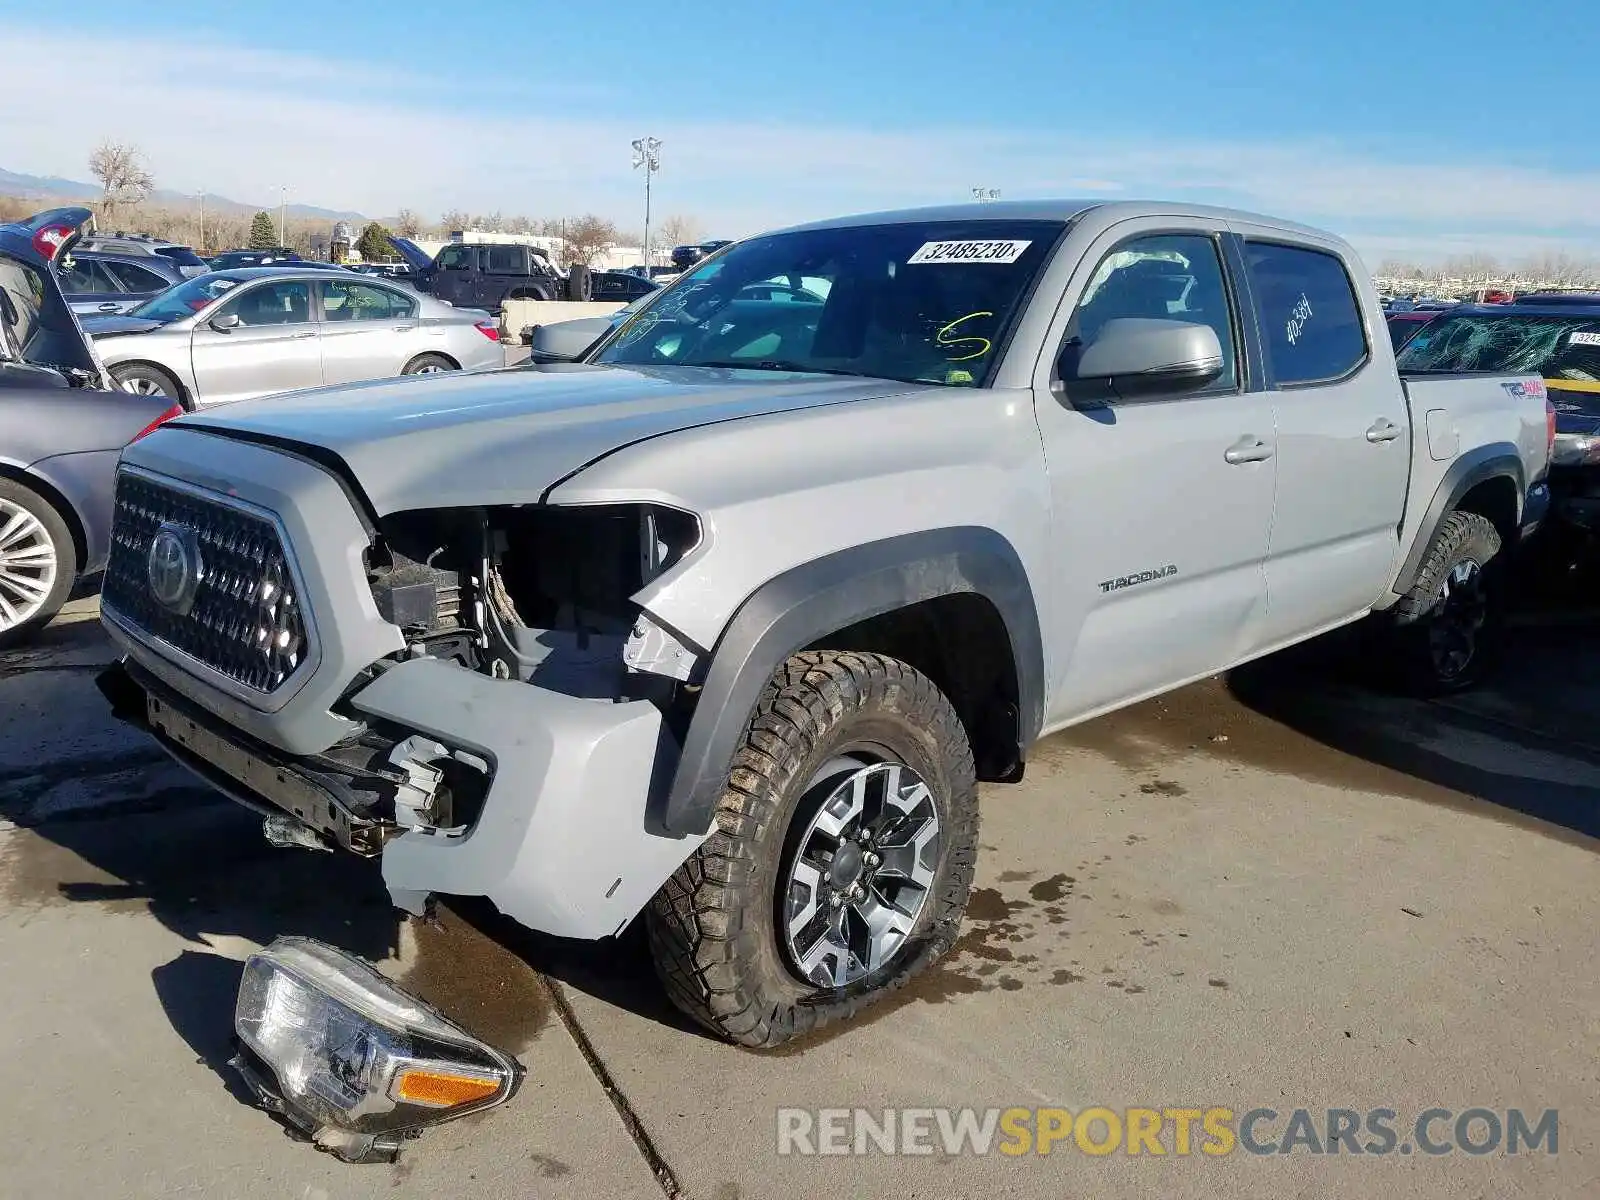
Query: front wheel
[
  {"x": 1447, "y": 626},
  {"x": 38, "y": 562},
  {"x": 841, "y": 859},
  {"x": 144, "y": 379}
]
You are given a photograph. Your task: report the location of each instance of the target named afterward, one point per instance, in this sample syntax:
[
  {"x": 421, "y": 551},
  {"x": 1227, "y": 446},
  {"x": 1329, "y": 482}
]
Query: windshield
[
  {"x": 926, "y": 302},
  {"x": 1555, "y": 347},
  {"x": 185, "y": 299}
]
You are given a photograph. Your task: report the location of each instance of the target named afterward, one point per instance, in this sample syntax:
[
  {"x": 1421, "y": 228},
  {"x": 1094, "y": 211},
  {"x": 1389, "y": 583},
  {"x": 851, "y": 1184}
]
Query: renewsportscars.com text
[{"x": 1212, "y": 1131}]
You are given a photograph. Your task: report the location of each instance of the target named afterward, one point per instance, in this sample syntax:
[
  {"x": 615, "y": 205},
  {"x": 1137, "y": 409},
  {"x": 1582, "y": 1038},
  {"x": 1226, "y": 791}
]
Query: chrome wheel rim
[
  {"x": 861, "y": 872},
  {"x": 27, "y": 564},
  {"x": 1461, "y": 611},
  {"x": 143, "y": 385},
  {"x": 429, "y": 369}
]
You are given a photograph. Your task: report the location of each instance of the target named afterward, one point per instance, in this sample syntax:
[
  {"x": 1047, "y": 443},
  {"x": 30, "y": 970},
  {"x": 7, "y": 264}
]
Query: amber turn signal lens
[{"x": 441, "y": 1089}]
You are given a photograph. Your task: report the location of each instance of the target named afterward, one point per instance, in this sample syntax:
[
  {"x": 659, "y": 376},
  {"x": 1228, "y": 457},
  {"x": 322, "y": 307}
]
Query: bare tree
[
  {"x": 407, "y": 223},
  {"x": 678, "y": 231},
  {"x": 122, "y": 176},
  {"x": 587, "y": 238},
  {"x": 454, "y": 219},
  {"x": 519, "y": 224}
]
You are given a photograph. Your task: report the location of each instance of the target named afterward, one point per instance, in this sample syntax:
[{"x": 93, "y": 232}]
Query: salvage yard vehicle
[
  {"x": 723, "y": 625},
  {"x": 61, "y": 430},
  {"x": 231, "y": 335},
  {"x": 1556, "y": 337}
]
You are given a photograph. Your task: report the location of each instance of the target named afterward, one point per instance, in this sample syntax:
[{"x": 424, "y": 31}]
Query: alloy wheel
[
  {"x": 861, "y": 871},
  {"x": 143, "y": 385},
  {"x": 27, "y": 564},
  {"x": 1461, "y": 612}
]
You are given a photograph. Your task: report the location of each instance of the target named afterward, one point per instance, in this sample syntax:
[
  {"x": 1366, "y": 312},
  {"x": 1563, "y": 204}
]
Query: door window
[
  {"x": 1307, "y": 312},
  {"x": 141, "y": 281},
  {"x": 505, "y": 260},
  {"x": 1168, "y": 276},
  {"x": 85, "y": 275},
  {"x": 362, "y": 302},
  {"x": 455, "y": 258},
  {"x": 281, "y": 302}
]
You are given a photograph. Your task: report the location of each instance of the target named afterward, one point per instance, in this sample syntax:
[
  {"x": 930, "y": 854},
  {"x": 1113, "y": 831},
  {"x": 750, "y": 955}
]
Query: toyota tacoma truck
[{"x": 721, "y": 626}]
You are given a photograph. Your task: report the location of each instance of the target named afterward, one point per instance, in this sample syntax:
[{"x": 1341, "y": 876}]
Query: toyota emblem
[{"x": 174, "y": 567}]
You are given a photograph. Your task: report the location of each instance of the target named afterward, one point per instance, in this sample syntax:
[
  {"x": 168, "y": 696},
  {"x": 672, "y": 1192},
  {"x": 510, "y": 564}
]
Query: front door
[
  {"x": 366, "y": 330},
  {"x": 273, "y": 348},
  {"x": 1344, "y": 440},
  {"x": 1162, "y": 506},
  {"x": 455, "y": 274}
]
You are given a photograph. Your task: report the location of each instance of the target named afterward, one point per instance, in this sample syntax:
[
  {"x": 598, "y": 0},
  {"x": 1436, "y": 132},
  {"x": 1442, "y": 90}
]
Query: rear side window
[
  {"x": 1307, "y": 311},
  {"x": 505, "y": 260},
  {"x": 182, "y": 256},
  {"x": 138, "y": 280}
]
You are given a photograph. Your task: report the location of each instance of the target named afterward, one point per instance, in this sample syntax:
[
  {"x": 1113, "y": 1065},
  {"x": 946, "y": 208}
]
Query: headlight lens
[{"x": 356, "y": 1061}]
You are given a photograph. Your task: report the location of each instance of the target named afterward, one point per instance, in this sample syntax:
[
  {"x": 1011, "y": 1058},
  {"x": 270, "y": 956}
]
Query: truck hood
[{"x": 509, "y": 436}]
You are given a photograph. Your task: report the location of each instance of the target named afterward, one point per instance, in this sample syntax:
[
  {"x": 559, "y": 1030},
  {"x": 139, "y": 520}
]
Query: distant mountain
[{"x": 53, "y": 187}]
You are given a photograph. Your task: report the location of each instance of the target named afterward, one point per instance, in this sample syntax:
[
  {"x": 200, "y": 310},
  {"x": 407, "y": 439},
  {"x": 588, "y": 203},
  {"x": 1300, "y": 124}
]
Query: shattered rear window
[{"x": 1555, "y": 347}]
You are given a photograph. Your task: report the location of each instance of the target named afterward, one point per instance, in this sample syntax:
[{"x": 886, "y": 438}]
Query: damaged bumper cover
[{"x": 564, "y": 842}]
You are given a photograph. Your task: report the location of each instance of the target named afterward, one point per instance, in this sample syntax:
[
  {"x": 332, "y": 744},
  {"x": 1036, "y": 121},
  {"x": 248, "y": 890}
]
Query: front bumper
[{"x": 564, "y": 842}]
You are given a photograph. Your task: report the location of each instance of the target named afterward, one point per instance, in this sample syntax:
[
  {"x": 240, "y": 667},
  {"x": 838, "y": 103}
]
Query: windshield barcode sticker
[
  {"x": 1584, "y": 339},
  {"x": 968, "y": 252}
]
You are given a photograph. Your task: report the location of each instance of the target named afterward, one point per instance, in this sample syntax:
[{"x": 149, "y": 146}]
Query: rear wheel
[
  {"x": 38, "y": 562},
  {"x": 1447, "y": 626},
  {"x": 841, "y": 859},
  {"x": 145, "y": 379},
  {"x": 428, "y": 364}
]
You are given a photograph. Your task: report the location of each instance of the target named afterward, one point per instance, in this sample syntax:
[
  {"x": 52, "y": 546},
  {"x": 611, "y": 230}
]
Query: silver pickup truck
[{"x": 724, "y": 624}]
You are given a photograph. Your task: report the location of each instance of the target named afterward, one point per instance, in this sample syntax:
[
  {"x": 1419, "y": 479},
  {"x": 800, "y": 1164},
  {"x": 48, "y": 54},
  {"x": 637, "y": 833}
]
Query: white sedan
[{"x": 231, "y": 335}]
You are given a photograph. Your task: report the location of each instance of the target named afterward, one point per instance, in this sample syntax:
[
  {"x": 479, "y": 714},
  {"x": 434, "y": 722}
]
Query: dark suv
[
  {"x": 99, "y": 283},
  {"x": 138, "y": 245},
  {"x": 485, "y": 275}
]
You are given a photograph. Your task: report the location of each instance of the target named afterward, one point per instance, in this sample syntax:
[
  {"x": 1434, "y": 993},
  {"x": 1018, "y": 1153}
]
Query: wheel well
[
  {"x": 80, "y": 541},
  {"x": 961, "y": 643},
  {"x": 416, "y": 358},
  {"x": 1496, "y": 500},
  {"x": 183, "y": 393},
  {"x": 527, "y": 294}
]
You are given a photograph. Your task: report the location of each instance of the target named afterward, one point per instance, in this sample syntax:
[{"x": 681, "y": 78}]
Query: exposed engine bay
[{"x": 536, "y": 593}]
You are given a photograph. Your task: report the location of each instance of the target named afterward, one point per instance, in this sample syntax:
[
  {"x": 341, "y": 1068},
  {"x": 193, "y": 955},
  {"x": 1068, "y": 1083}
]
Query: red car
[{"x": 1403, "y": 325}]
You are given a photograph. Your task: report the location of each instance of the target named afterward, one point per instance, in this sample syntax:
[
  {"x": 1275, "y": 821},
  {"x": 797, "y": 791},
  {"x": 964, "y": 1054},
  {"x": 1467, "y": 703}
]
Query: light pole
[
  {"x": 283, "y": 216},
  {"x": 647, "y": 154},
  {"x": 983, "y": 195},
  {"x": 201, "y": 246}
]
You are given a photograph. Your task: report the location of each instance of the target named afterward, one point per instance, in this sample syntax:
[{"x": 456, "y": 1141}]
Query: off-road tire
[
  {"x": 124, "y": 374},
  {"x": 66, "y": 560},
  {"x": 1462, "y": 537},
  {"x": 713, "y": 928}
]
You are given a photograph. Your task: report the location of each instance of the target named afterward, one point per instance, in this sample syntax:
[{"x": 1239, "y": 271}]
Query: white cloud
[{"x": 241, "y": 123}]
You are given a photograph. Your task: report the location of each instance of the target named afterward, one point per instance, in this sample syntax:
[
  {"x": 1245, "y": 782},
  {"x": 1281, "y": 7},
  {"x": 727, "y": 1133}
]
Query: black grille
[{"x": 244, "y": 620}]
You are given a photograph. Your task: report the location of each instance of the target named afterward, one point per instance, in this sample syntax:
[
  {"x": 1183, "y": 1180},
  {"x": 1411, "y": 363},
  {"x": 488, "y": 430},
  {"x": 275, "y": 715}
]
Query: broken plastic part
[{"x": 413, "y": 800}]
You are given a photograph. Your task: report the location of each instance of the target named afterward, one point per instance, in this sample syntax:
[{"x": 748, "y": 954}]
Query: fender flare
[
  {"x": 816, "y": 598},
  {"x": 1478, "y": 465}
]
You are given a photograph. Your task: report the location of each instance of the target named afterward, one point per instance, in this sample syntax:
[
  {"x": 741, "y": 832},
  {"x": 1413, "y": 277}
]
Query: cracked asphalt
[{"x": 1277, "y": 890}]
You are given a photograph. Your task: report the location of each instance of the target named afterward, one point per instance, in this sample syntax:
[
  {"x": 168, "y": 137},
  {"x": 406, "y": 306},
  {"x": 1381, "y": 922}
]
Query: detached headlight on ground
[{"x": 344, "y": 1054}]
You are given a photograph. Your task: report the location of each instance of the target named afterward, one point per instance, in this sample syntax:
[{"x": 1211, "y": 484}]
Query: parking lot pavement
[{"x": 1281, "y": 891}]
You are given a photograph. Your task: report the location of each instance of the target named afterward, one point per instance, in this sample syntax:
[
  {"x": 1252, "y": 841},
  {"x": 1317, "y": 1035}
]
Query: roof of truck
[{"x": 1056, "y": 210}]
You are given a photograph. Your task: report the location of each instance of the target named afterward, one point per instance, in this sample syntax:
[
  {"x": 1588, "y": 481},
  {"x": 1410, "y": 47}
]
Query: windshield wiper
[{"x": 774, "y": 364}]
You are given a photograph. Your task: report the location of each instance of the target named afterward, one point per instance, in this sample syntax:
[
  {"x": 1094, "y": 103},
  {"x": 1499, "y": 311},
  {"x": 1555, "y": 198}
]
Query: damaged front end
[{"x": 516, "y": 747}]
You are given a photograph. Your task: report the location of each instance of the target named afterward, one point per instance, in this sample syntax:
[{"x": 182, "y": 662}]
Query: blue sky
[{"x": 1401, "y": 124}]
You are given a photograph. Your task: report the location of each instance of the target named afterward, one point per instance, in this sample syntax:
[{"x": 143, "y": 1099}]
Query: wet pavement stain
[
  {"x": 1218, "y": 983},
  {"x": 478, "y": 983},
  {"x": 1163, "y": 787},
  {"x": 1015, "y": 876},
  {"x": 549, "y": 1167},
  {"x": 1052, "y": 889},
  {"x": 1064, "y": 976},
  {"x": 987, "y": 905}
]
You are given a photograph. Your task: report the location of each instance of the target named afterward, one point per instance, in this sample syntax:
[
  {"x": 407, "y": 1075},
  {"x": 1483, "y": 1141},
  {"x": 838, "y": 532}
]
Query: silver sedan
[{"x": 231, "y": 335}]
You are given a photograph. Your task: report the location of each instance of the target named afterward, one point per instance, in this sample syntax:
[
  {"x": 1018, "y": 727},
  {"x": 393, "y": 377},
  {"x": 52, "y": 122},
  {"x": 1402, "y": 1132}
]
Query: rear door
[
  {"x": 1344, "y": 435},
  {"x": 1162, "y": 505},
  {"x": 455, "y": 275},
  {"x": 90, "y": 289},
  {"x": 366, "y": 330},
  {"x": 505, "y": 269},
  {"x": 274, "y": 348}
]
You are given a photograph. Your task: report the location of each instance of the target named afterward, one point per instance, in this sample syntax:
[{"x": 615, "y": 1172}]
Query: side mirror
[
  {"x": 226, "y": 323},
  {"x": 1141, "y": 358},
  {"x": 565, "y": 341}
]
